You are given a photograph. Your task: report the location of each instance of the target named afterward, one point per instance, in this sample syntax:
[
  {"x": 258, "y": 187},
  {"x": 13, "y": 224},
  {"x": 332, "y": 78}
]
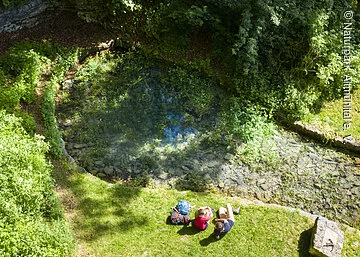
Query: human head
[
  {"x": 201, "y": 211},
  {"x": 219, "y": 226}
]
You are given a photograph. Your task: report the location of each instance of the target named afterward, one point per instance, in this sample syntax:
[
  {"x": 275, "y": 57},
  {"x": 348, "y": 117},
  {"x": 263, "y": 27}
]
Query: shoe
[{"x": 237, "y": 210}]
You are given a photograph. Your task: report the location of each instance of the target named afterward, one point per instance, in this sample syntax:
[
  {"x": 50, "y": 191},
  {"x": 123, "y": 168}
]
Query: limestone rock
[
  {"x": 327, "y": 239},
  {"x": 79, "y": 146},
  {"x": 24, "y": 16},
  {"x": 99, "y": 163},
  {"x": 228, "y": 156},
  {"x": 163, "y": 176},
  {"x": 94, "y": 171},
  {"x": 101, "y": 175},
  {"x": 109, "y": 170}
]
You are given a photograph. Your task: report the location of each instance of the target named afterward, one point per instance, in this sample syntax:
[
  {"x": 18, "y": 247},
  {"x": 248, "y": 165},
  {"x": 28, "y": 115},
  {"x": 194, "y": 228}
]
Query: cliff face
[{"x": 24, "y": 16}]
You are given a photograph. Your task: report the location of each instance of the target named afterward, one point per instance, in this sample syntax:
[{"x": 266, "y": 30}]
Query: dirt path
[{"x": 63, "y": 27}]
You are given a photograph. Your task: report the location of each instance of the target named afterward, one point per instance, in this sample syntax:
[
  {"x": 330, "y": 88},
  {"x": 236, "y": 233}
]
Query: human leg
[
  {"x": 222, "y": 213},
  {"x": 230, "y": 213}
]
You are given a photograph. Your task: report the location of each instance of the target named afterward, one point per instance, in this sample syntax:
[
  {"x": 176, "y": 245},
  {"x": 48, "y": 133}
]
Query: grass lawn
[
  {"x": 114, "y": 220},
  {"x": 330, "y": 118}
]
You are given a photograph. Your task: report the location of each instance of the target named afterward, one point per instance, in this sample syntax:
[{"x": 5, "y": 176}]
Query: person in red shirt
[{"x": 202, "y": 217}]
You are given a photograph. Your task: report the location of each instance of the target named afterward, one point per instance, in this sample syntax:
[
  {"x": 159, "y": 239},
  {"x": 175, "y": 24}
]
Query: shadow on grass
[
  {"x": 188, "y": 230},
  {"x": 185, "y": 229},
  {"x": 304, "y": 243},
  {"x": 210, "y": 239},
  {"x": 103, "y": 208}
]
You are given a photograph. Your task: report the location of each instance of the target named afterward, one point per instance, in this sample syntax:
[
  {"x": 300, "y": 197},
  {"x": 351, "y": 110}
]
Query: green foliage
[
  {"x": 27, "y": 121},
  {"x": 250, "y": 131},
  {"x": 8, "y": 4},
  {"x": 21, "y": 67},
  {"x": 244, "y": 122},
  {"x": 29, "y": 237},
  {"x": 185, "y": 18},
  {"x": 195, "y": 93},
  {"x": 107, "y": 12},
  {"x": 21, "y": 70},
  {"x": 52, "y": 133},
  {"x": 284, "y": 55},
  {"x": 32, "y": 223}
]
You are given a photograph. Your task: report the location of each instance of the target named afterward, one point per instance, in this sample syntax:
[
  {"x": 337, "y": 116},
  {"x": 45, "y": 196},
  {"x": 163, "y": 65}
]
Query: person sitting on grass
[
  {"x": 225, "y": 221},
  {"x": 202, "y": 217}
]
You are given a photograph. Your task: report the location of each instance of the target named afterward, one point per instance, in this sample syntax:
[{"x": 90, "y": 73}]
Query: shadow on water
[
  {"x": 127, "y": 123},
  {"x": 304, "y": 243},
  {"x": 130, "y": 122}
]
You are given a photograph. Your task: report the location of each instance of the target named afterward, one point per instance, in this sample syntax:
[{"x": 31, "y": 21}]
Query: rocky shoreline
[{"x": 308, "y": 176}]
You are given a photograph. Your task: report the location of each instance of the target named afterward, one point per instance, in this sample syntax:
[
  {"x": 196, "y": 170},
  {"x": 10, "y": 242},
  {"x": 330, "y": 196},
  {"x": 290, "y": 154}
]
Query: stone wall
[
  {"x": 24, "y": 16},
  {"x": 347, "y": 143}
]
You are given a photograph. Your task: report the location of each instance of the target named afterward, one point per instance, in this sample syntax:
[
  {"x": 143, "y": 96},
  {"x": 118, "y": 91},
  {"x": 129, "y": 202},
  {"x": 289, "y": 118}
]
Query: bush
[
  {"x": 52, "y": 133},
  {"x": 24, "y": 67},
  {"x": 20, "y": 69},
  {"x": 32, "y": 223},
  {"x": 29, "y": 237},
  {"x": 8, "y": 4},
  {"x": 27, "y": 121},
  {"x": 285, "y": 56},
  {"x": 245, "y": 127},
  {"x": 244, "y": 122}
]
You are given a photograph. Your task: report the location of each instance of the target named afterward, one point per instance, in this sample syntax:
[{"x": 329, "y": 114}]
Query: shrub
[
  {"x": 20, "y": 69},
  {"x": 27, "y": 121},
  {"x": 8, "y": 4},
  {"x": 33, "y": 237},
  {"x": 250, "y": 131},
  {"x": 52, "y": 133},
  {"x": 31, "y": 222},
  {"x": 245, "y": 122}
]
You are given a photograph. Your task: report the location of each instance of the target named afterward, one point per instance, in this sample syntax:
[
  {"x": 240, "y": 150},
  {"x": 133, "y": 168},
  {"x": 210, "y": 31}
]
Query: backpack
[
  {"x": 183, "y": 207},
  {"x": 179, "y": 219}
]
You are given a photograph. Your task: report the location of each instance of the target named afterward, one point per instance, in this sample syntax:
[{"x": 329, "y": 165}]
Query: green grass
[
  {"x": 330, "y": 118},
  {"x": 115, "y": 220}
]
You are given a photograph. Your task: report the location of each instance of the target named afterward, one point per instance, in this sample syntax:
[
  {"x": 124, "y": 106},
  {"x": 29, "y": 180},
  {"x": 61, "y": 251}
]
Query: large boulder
[{"x": 327, "y": 239}]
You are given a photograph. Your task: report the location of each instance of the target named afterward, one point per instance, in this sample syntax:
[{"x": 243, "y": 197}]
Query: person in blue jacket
[{"x": 225, "y": 221}]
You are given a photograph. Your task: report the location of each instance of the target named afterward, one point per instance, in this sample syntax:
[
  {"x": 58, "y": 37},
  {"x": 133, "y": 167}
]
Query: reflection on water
[{"x": 177, "y": 133}]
